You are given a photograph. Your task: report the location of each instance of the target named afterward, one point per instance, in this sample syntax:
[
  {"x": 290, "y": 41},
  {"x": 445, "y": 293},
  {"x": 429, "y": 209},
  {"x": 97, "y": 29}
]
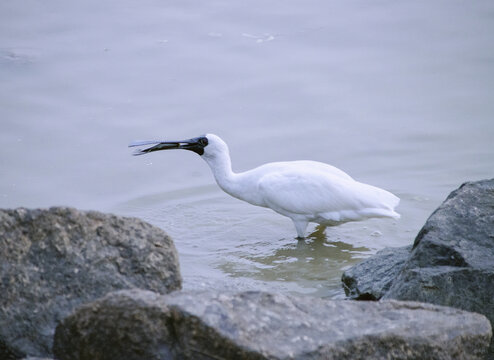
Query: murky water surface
[{"x": 399, "y": 94}]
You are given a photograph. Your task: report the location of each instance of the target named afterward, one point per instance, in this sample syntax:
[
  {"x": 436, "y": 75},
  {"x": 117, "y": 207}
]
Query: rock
[
  {"x": 452, "y": 262},
  {"x": 136, "y": 324},
  {"x": 53, "y": 260},
  {"x": 370, "y": 279},
  {"x": 127, "y": 324}
]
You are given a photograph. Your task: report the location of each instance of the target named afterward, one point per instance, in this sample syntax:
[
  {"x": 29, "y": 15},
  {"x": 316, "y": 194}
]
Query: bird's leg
[{"x": 300, "y": 226}]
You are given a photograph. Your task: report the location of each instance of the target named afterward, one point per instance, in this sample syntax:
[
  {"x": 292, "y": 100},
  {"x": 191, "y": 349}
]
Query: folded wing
[{"x": 319, "y": 194}]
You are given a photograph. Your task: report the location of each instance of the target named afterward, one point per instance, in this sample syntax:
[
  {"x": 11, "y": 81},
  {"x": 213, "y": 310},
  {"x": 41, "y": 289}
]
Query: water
[{"x": 399, "y": 94}]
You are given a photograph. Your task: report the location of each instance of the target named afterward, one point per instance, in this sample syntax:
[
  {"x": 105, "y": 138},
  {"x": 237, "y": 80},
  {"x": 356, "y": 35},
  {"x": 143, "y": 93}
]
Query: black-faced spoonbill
[{"x": 304, "y": 191}]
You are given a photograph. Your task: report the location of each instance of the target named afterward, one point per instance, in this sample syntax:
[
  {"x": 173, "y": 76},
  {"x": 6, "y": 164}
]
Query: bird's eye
[{"x": 203, "y": 141}]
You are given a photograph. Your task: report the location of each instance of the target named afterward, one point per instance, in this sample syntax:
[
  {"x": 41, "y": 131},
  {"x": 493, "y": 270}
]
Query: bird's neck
[
  {"x": 238, "y": 185},
  {"x": 221, "y": 167}
]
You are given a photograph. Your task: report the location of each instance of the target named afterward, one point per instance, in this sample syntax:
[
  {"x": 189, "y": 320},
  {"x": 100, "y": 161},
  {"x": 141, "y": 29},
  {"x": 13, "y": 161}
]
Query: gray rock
[
  {"x": 371, "y": 278},
  {"x": 135, "y": 325},
  {"x": 53, "y": 260},
  {"x": 452, "y": 262}
]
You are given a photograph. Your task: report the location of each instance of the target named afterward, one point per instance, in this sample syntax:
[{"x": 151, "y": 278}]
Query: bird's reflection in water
[{"x": 312, "y": 261}]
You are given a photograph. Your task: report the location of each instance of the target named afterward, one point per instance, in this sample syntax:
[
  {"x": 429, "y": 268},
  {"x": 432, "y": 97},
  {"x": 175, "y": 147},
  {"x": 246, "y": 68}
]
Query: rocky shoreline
[
  {"x": 259, "y": 325},
  {"x": 87, "y": 285}
]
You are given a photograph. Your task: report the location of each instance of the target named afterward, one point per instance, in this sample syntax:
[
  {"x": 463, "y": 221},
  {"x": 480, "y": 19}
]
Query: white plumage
[{"x": 304, "y": 191}]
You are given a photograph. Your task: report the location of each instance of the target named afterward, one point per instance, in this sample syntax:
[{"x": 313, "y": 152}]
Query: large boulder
[
  {"x": 53, "y": 260},
  {"x": 142, "y": 325},
  {"x": 372, "y": 278},
  {"x": 452, "y": 262}
]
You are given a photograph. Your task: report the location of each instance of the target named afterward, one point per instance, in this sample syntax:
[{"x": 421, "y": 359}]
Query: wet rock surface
[
  {"x": 372, "y": 278},
  {"x": 53, "y": 260},
  {"x": 135, "y": 324}
]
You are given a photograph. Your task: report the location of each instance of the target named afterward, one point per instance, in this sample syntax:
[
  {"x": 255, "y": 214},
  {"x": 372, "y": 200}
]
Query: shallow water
[{"x": 399, "y": 94}]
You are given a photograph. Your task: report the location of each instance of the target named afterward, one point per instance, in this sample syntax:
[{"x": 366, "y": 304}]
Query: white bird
[{"x": 304, "y": 191}]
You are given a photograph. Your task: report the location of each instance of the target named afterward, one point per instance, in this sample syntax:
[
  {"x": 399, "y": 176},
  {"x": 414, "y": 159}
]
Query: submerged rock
[
  {"x": 53, "y": 260},
  {"x": 142, "y": 325},
  {"x": 370, "y": 279}
]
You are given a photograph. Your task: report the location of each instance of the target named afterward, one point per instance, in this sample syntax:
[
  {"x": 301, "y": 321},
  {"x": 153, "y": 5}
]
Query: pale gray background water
[{"x": 397, "y": 93}]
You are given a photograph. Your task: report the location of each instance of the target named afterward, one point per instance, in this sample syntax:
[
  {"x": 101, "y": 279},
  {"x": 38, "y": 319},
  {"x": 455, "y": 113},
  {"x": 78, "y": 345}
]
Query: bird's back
[{"x": 301, "y": 166}]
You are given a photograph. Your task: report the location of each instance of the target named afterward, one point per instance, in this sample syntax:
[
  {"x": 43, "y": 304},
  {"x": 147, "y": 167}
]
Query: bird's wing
[{"x": 317, "y": 193}]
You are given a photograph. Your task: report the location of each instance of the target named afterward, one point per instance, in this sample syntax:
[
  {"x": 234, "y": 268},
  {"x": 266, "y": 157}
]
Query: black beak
[{"x": 196, "y": 145}]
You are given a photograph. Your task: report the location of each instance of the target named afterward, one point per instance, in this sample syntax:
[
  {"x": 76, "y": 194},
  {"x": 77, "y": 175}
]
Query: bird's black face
[{"x": 196, "y": 145}]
